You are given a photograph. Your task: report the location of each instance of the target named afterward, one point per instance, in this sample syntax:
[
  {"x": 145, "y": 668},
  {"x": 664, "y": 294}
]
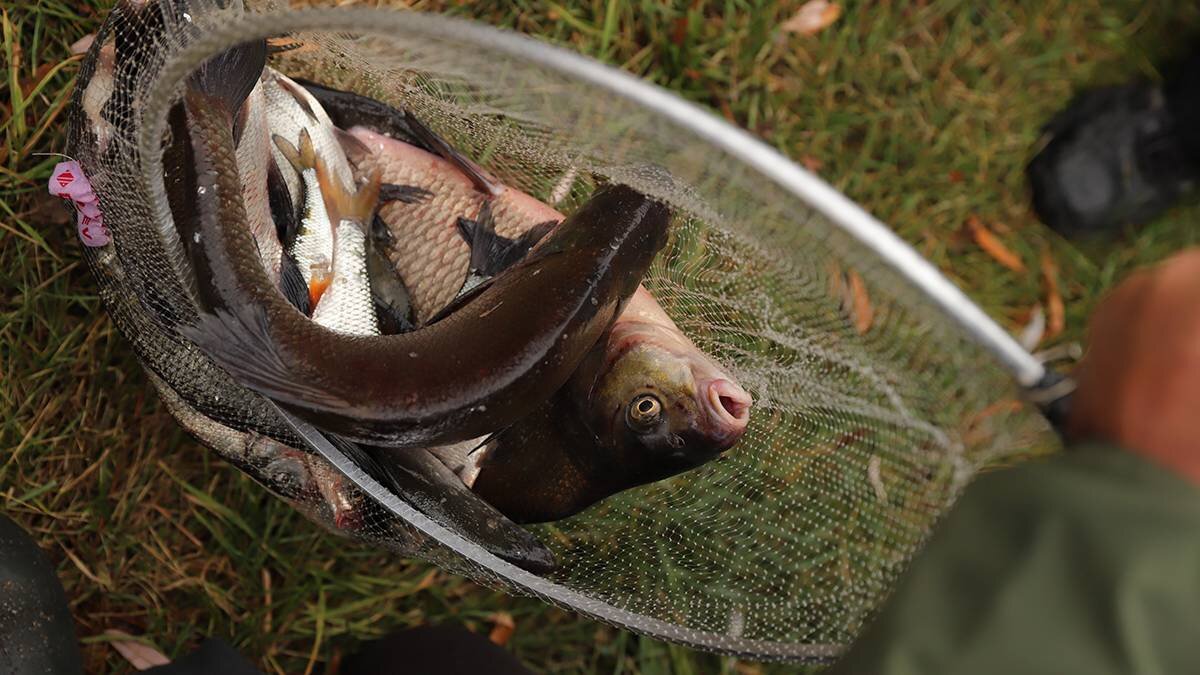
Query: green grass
[{"x": 923, "y": 112}]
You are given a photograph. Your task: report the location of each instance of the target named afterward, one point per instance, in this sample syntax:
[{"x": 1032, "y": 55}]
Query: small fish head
[{"x": 664, "y": 408}]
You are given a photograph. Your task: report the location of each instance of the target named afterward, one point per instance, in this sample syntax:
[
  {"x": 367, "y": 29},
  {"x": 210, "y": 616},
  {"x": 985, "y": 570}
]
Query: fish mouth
[{"x": 728, "y": 407}]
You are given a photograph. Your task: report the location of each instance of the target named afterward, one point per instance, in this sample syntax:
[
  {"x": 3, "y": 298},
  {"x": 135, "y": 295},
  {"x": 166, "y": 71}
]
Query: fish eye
[{"x": 644, "y": 410}]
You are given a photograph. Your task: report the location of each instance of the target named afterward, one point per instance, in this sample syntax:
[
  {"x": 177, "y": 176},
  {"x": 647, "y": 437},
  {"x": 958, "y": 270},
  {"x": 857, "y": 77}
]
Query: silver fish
[
  {"x": 253, "y": 158},
  {"x": 312, "y": 247}
]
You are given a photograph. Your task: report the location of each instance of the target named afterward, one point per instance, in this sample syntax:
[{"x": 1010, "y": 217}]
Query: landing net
[{"x": 875, "y": 402}]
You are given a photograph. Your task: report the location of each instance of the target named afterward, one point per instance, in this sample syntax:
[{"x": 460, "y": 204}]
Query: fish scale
[
  {"x": 288, "y": 116},
  {"x": 346, "y": 306},
  {"x": 571, "y": 451},
  {"x": 251, "y": 151},
  {"x": 430, "y": 255},
  {"x": 315, "y": 238}
]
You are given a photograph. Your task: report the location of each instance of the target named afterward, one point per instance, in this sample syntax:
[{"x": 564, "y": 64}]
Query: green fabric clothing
[{"x": 1088, "y": 562}]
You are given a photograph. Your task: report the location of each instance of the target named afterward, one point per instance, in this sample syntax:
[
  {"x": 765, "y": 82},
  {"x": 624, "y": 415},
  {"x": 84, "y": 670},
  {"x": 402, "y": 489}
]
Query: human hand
[{"x": 1139, "y": 383}]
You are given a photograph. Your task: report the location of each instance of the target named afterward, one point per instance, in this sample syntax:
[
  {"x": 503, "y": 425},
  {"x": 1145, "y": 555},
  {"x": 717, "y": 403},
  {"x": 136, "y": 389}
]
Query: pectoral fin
[
  {"x": 292, "y": 285},
  {"x": 283, "y": 206},
  {"x": 408, "y": 194},
  {"x": 348, "y": 109},
  {"x": 492, "y": 253},
  {"x": 393, "y": 304}
]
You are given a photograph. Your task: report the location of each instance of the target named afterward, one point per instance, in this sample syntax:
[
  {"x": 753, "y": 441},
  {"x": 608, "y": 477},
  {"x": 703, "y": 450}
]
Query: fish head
[{"x": 660, "y": 405}]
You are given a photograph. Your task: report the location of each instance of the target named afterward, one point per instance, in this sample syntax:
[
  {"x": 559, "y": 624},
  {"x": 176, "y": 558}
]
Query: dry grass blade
[{"x": 1034, "y": 331}]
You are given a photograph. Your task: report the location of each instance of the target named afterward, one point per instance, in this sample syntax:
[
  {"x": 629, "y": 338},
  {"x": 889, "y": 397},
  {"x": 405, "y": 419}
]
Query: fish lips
[
  {"x": 724, "y": 417},
  {"x": 726, "y": 407}
]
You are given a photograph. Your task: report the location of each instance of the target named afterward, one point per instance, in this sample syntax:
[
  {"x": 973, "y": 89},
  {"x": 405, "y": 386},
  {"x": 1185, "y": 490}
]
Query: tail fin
[
  {"x": 301, "y": 158},
  {"x": 229, "y": 77},
  {"x": 341, "y": 204},
  {"x": 239, "y": 340}
]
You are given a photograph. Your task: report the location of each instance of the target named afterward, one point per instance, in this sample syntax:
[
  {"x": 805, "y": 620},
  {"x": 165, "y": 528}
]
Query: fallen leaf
[
  {"x": 28, "y": 85},
  {"x": 81, "y": 45},
  {"x": 811, "y": 163},
  {"x": 874, "y": 475},
  {"x": 139, "y": 655},
  {"x": 813, "y": 17},
  {"x": 993, "y": 246},
  {"x": 837, "y": 281},
  {"x": 1033, "y": 332},
  {"x": 864, "y": 314},
  {"x": 956, "y": 176},
  {"x": 1055, "y": 310},
  {"x": 427, "y": 581},
  {"x": 502, "y": 628}
]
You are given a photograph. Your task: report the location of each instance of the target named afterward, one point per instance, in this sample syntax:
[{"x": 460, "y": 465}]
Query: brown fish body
[
  {"x": 642, "y": 406},
  {"x": 428, "y": 252},
  {"x": 573, "y": 451},
  {"x": 487, "y": 365},
  {"x": 432, "y": 257}
]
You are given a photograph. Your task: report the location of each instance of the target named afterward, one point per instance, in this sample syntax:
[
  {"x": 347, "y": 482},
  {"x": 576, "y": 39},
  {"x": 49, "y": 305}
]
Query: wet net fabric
[{"x": 872, "y": 410}]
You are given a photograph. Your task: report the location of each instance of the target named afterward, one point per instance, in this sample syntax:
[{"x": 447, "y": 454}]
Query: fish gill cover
[{"x": 871, "y": 409}]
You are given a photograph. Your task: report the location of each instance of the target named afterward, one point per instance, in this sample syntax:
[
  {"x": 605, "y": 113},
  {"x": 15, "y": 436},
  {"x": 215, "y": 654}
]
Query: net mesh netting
[{"x": 872, "y": 409}]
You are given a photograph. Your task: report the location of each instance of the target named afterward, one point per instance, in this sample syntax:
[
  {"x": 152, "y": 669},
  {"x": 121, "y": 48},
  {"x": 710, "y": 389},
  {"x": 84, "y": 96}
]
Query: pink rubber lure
[{"x": 69, "y": 182}]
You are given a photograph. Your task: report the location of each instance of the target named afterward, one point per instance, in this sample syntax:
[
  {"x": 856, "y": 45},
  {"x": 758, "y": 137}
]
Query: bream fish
[{"x": 644, "y": 405}]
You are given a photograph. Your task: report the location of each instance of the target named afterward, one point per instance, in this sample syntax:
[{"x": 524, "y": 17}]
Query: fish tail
[
  {"x": 308, "y": 154},
  {"x": 227, "y": 79},
  {"x": 301, "y": 158},
  {"x": 240, "y": 340},
  {"x": 341, "y": 204},
  {"x": 289, "y": 151}
]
